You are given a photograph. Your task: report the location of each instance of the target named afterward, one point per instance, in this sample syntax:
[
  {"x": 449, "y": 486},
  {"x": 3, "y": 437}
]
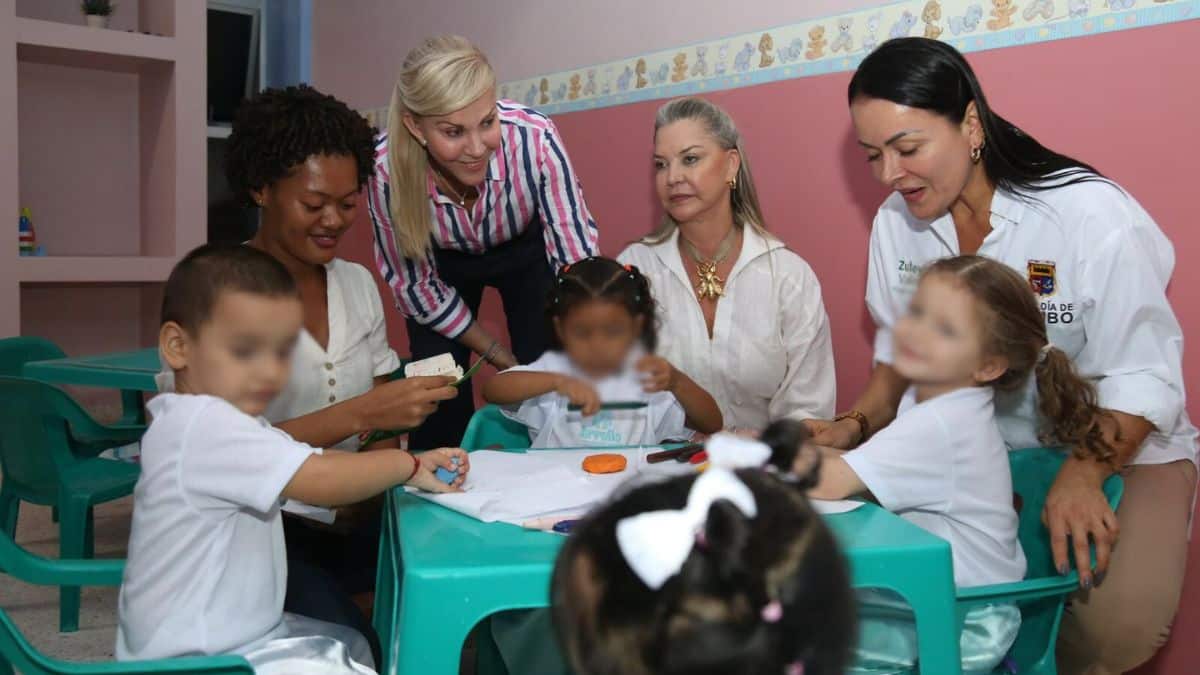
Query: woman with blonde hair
[
  {"x": 470, "y": 192},
  {"x": 740, "y": 313}
]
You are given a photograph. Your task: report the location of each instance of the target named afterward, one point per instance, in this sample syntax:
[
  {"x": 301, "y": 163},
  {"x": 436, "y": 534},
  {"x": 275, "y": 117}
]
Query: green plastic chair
[
  {"x": 489, "y": 428},
  {"x": 16, "y": 652},
  {"x": 1042, "y": 593},
  {"x": 15, "y": 352},
  {"x": 48, "y": 456}
]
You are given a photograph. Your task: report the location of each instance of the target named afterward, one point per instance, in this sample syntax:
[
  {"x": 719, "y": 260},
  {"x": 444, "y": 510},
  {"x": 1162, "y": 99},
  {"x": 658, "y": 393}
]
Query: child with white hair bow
[{"x": 729, "y": 571}]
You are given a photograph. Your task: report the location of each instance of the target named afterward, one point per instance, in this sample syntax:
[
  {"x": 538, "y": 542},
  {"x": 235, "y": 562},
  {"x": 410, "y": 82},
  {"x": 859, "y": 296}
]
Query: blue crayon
[{"x": 565, "y": 526}]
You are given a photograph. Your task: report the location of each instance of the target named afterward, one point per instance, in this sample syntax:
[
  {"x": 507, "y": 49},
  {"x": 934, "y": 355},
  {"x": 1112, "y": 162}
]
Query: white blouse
[
  {"x": 770, "y": 356},
  {"x": 1099, "y": 265},
  {"x": 357, "y": 353}
]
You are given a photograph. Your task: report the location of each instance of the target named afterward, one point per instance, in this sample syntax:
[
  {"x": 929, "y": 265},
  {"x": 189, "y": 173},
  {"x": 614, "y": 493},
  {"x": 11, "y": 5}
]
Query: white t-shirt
[
  {"x": 942, "y": 465},
  {"x": 207, "y": 568},
  {"x": 1100, "y": 266},
  {"x": 551, "y": 425},
  {"x": 357, "y": 353},
  {"x": 770, "y": 356}
]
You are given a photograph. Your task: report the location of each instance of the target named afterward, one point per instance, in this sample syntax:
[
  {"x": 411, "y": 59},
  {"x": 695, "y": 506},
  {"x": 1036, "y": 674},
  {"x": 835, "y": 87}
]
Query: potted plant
[{"x": 96, "y": 12}]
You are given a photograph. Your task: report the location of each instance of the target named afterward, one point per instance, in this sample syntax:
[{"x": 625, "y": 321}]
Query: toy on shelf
[{"x": 26, "y": 238}]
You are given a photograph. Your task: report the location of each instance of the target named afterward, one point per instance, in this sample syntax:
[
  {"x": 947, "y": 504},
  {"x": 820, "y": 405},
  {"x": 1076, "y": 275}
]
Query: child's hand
[
  {"x": 580, "y": 393},
  {"x": 445, "y": 458},
  {"x": 657, "y": 374},
  {"x": 451, "y": 459}
]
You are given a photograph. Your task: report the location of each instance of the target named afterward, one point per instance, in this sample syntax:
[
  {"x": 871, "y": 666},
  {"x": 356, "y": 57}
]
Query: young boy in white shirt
[{"x": 207, "y": 568}]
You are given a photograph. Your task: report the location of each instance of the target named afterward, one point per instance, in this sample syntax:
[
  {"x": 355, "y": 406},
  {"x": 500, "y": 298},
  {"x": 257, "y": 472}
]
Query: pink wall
[
  {"x": 529, "y": 37},
  {"x": 1120, "y": 101}
]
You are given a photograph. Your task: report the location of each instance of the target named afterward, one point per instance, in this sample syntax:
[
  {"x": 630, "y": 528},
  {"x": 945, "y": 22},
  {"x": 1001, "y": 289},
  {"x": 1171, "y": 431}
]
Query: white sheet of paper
[
  {"x": 519, "y": 487},
  {"x": 832, "y": 506},
  {"x": 317, "y": 513}
]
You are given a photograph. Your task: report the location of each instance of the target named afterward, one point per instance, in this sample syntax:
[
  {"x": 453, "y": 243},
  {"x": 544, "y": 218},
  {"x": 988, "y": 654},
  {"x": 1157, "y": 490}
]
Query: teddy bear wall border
[{"x": 830, "y": 44}]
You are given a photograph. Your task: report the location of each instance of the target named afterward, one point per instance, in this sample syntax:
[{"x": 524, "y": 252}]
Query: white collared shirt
[
  {"x": 1100, "y": 266},
  {"x": 770, "y": 356}
]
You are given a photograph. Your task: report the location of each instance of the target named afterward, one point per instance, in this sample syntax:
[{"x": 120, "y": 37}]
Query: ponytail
[
  {"x": 1068, "y": 405},
  {"x": 787, "y": 439},
  {"x": 441, "y": 75},
  {"x": 1014, "y": 328}
]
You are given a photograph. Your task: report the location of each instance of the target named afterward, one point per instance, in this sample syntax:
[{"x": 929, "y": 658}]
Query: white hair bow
[{"x": 656, "y": 543}]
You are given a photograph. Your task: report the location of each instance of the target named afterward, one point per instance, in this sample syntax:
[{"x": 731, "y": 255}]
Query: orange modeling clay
[{"x": 604, "y": 463}]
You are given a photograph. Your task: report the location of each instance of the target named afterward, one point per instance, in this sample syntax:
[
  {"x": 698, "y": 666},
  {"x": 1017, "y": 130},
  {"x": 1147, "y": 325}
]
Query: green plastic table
[
  {"x": 441, "y": 573},
  {"x": 131, "y": 372},
  {"x": 128, "y": 371}
]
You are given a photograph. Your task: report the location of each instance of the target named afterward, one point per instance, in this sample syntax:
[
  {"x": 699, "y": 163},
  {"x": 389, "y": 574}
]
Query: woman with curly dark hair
[{"x": 302, "y": 157}]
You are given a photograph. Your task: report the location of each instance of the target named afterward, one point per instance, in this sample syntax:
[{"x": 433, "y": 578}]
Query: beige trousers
[{"x": 1121, "y": 624}]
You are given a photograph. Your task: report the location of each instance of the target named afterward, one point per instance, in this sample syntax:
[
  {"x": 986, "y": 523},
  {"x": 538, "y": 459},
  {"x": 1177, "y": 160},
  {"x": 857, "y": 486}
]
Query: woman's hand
[
  {"x": 579, "y": 393},
  {"x": 404, "y": 404},
  {"x": 843, "y": 434},
  {"x": 1077, "y": 510},
  {"x": 444, "y": 458},
  {"x": 657, "y": 374}
]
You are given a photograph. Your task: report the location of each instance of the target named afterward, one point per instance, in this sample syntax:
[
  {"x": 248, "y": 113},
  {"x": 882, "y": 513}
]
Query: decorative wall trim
[{"x": 830, "y": 44}]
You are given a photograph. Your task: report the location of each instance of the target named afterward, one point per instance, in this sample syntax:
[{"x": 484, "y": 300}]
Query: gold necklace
[
  {"x": 458, "y": 197},
  {"x": 711, "y": 285}
]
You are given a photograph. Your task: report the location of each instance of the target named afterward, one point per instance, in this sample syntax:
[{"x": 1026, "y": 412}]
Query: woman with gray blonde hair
[
  {"x": 470, "y": 192},
  {"x": 739, "y": 312}
]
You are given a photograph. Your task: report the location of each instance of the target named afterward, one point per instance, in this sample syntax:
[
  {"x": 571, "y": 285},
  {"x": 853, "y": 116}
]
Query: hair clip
[
  {"x": 1044, "y": 352},
  {"x": 772, "y": 612}
]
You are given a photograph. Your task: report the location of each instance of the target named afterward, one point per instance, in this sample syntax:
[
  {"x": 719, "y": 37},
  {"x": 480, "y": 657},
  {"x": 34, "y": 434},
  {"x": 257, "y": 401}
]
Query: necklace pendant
[{"x": 710, "y": 286}]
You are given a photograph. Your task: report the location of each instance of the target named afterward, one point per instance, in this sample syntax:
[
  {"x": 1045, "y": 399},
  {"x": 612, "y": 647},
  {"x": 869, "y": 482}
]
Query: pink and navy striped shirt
[{"x": 528, "y": 177}]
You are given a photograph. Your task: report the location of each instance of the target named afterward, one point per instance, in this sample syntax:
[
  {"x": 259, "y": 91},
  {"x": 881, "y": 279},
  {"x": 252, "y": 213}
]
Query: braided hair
[
  {"x": 598, "y": 278},
  {"x": 277, "y": 129}
]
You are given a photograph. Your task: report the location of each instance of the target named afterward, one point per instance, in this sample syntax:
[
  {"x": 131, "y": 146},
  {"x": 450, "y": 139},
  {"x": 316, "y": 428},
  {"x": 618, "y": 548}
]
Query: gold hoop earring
[
  {"x": 732, "y": 184},
  {"x": 976, "y": 153}
]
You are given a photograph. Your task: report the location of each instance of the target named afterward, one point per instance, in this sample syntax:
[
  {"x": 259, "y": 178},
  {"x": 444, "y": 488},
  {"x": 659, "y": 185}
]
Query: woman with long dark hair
[{"x": 966, "y": 180}]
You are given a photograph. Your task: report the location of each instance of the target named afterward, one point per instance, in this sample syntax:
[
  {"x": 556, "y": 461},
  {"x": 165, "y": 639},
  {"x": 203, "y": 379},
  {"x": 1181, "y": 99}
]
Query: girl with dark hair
[
  {"x": 728, "y": 572},
  {"x": 600, "y": 322},
  {"x": 967, "y": 181}
]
